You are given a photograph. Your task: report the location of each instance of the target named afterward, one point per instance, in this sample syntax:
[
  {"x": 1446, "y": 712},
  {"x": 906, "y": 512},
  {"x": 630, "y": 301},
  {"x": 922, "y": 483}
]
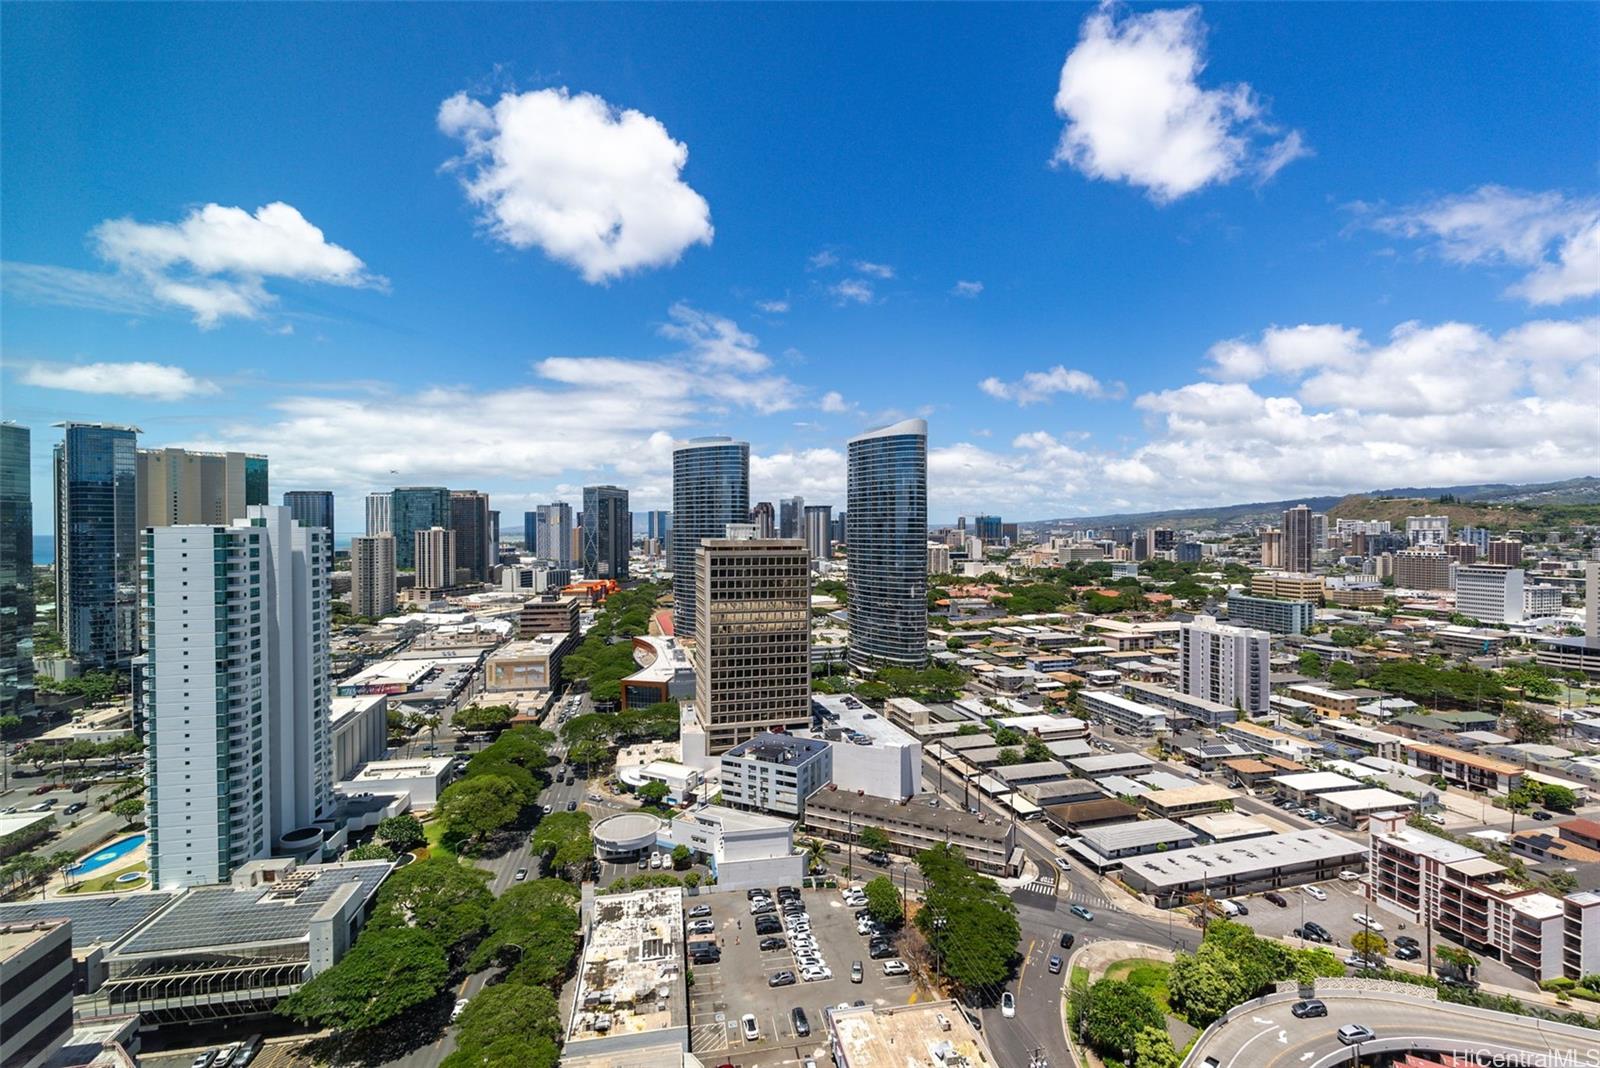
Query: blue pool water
[{"x": 109, "y": 855}]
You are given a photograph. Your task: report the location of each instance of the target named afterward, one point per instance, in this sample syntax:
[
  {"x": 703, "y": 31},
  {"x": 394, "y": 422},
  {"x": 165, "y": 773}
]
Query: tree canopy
[
  {"x": 1119, "y": 1011},
  {"x": 510, "y": 1024},
  {"x": 533, "y": 929},
  {"x": 447, "y": 901},
  {"x": 385, "y": 974},
  {"x": 883, "y": 901},
  {"x": 480, "y": 805},
  {"x": 402, "y": 833},
  {"x": 968, "y": 920},
  {"x": 563, "y": 838}
]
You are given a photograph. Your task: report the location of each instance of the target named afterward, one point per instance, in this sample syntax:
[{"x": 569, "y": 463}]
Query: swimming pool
[{"x": 109, "y": 855}]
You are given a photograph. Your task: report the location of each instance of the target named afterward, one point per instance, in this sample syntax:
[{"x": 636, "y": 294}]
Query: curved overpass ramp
[{"x": 1264, "y": 1034}]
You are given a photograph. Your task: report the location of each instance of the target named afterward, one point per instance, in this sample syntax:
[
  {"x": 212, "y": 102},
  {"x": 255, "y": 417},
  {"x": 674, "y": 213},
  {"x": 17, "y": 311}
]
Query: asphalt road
[{"x": 1269, "y": 1036}]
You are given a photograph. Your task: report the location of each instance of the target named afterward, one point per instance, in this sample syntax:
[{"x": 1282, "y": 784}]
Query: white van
[{"x": 1228, "y": 907}]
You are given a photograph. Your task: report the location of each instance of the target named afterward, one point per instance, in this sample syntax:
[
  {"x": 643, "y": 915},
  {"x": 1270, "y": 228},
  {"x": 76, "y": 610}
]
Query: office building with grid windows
[{"x": 710, "y": 489}]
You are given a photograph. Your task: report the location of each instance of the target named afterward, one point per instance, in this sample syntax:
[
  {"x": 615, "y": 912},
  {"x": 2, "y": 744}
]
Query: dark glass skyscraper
[
  {"x": 414, "y": 508},
  {"x": 312, "y": 508},
  {"x": 16, "y": 572},
  {"x": 607, "y": 532},
  {"x": 710, "y": 489},
  {"x": 888, "y": 546},
  {"x": 255, "y": 482},
  {"x": 469, "y": 518},
  {"x": 97, "y": 563}
]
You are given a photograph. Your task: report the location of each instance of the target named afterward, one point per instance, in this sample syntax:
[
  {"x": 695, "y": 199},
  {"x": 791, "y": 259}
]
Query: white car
[
  {"x": 1350, "y": 876},
  {"x": 1368, "y": 922},
  {"x": 816, "y": 974},
  {"x": 1435, "y": 819},
  {"x": 896, "y": 967},
  {"x": 1008, "y": 1005},
  {"x": 1317, "y": 892},
  {"x": 461, "y": 1007},
  {"x": 752, "y": 1030},
  {"x": 865, "y": 926},
  {"x": 655, "y": 860},
  {"x": 702, "y": 927}
]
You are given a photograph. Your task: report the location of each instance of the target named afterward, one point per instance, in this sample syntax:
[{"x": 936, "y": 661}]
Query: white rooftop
[
  {"x": 1315, "y": 781},
  {"x": 1370, "y": 799}
]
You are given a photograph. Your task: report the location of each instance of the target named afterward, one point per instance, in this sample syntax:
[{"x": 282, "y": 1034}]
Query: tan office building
[
  {"x": 1420, "y": 569},
  {"x": 372, "y": 575},
  {"x": 550, "y": 614},
  {"x": 752, "y": 638}
]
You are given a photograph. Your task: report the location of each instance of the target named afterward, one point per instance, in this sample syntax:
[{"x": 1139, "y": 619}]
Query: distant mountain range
[{"x": 1584, "y": 490}]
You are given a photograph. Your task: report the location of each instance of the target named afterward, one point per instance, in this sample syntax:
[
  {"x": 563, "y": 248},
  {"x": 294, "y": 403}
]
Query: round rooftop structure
[{"x": 625, "y": 834}]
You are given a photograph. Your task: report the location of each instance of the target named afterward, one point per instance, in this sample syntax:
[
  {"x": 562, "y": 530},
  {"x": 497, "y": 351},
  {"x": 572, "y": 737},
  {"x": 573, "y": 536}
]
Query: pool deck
[{"x": 58, "y": 882}]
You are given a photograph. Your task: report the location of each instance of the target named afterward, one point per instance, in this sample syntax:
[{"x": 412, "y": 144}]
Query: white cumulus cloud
[
  {"x": 852, "y": 291},
  {"x": 966, "y": 289},
  {"x": 215, "y": 262},
  {"x": 595, "y": 187},
  {"x": 1555, "y": 236},
  {"x": 152, "y": 381},
  {"x": 876, "y": 270},
  {"x": 1036, "y": 387},
  {"x": 1136, "y": 112},
  {"x": 714, "y": 340}
]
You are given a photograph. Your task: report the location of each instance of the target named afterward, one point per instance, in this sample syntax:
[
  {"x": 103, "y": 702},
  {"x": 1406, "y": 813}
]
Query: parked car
[
  {"x": 1008, "y": 1005},
  {"x": 75, "y": 807},
  {"x": 1368, "y": 922},
  {"x": 752, "y": 1030},
  {"x": 1350, "y": 1034},
  {"x": 203, "y": 1060},
  {"x": 702, "y": 927},
  {"x": 896, "y": 967},
  {"x": 1309, "y": 1008},
  {"x": 1315, "y": 892},
  {"x": 1314, "y": 932},
  {"x": 700, "y": 910},
  {"x": 1082, "y": 913},
  {"x": 1356, "y": 960},
  {"x": 783, "y": 978},
  {"x": 1350, "y": 876},
  {"x": 880, "y": 950},
  {"x": 817, "y": 973},
  {"x": 1055, "y": 964},
  {"x": 773, "y": 943},
  {"x": 1435, "y": 819},
  {"x": 1541, "y": 815},
  {"x": 855, "y": 971},
  {"x": 1406, "y": 942},
  {"x": 1407, "y": 952},
  {"x": 1276, "y": 898}
]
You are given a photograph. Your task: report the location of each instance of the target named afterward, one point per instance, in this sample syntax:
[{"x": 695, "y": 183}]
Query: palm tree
[{"x": 815, "y": 852}]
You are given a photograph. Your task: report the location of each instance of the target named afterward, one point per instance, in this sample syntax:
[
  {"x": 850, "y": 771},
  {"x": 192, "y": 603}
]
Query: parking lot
[
  {"x": 1345, "y": 899},
  {"x": 737, "y": 984}
]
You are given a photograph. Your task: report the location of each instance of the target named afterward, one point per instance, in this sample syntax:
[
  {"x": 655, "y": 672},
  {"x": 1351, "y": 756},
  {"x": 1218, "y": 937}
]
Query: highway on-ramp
[{"x": 1266, "y": 1034}]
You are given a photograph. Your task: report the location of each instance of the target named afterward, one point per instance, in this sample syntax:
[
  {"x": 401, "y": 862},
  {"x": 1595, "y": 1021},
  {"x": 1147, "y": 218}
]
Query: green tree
[
  {"x": 1559, "y": 798},
  {"x": 875, "y": 839},
  {"x": 1118, "y": 1011},
  {"x": 511, "y": 1024},
  {"x": 1462, "y": 961},
  {"x": 386, "y": 974},
  {"x": 653, "y": 792},
  {"x": 445, "y": 900},
  {"x": 680, "y": 857},
  {"x": 1010, "y": 756},
  {"x": 1203, "y": 985},
  {"x": 1035, "y": 751},
  {"x": 130, "y": 809},
  {"x": 1369, "y": 944},
  {"x": 1310, "y": 964},
  {"x": 482, "y": 717},
  {"x": 564, "y": 839},
  {"x": 816, "y": 853},
  {"x": 1343, "y": 673},
  {"x": 883, "y": 901},
  {"x": 589, "y": 754},
  {"x": 968, "y": 920},
  {"x": 401, "y": 833},
  {"x": 371, "y": 851},
  {"x": 1310, "y": 664},
  {"x": 533, "y": 930},
  {"x": 1152, "y": 1048},
  {"x": 480, "y": 805}
]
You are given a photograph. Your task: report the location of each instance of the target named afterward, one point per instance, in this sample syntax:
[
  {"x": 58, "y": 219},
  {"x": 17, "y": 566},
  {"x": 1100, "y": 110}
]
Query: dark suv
[{"x": 802, "y": 1026}]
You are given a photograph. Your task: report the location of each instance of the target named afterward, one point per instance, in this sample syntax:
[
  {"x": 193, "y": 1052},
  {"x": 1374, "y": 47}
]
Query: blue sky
[{"x": 1120, "y": 257}]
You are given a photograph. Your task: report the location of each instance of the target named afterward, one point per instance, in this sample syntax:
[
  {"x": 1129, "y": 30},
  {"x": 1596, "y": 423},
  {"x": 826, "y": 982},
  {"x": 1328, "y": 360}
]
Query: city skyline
[{"x": 1281, "y": 312}]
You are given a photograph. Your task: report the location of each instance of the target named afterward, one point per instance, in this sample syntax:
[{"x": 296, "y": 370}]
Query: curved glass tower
[
  {"x": 710, "y": 489},
  {"x": 888, "y": 546}
]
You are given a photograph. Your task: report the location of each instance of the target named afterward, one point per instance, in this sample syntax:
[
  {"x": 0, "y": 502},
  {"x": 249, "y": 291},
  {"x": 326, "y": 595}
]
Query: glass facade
[
  {"x": 469, "y": 518},
  {"x": 607, "y": 532},
  {"x": 255, "y": 482},
  {"x": 888, "y": 546},
  {"x": 16, "y": 572},
  {"x": 97, "y": 564},
  {"x": 414, "y": 508},
  {"x": 553, "y": 533},
  {"x": 710, "y": 489},
  {"x": 313, "y": 508}
]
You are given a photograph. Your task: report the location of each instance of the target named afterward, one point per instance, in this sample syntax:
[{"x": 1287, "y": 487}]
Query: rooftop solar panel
[{"x": 97, "y": 919}]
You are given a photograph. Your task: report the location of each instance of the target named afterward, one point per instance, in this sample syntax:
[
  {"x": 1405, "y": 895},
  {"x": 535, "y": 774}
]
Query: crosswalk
[{"x": 1044, "y": 885}]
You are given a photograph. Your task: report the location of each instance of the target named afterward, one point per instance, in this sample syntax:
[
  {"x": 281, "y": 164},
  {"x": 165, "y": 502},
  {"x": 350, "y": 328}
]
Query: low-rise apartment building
[
  {"x": 1471, "y": 770},
  {"x": 1329, "y": 702},
  {"x": 1271, "y": 615},
  {"x": 1268, "y": 741},
  {"x": 1467, "y": 898},
  {"x": 1208, "y": 713},
  {"x": 841, "y": 815},
  {"x": 1129, "y": 717},
  {"x": 775, "y": 773}
]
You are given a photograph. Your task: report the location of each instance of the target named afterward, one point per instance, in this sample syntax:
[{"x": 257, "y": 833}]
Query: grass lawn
[
  {"x": 101, "y": 883},
  {"x": 433, "y": 831},
  {"x": 1148, "y": 975}
]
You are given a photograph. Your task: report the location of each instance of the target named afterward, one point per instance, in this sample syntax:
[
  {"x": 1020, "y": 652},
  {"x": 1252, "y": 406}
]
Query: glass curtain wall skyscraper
[
  {"x": 312, "y": 508},
  {"x": 888, "y": 546},
  {"x": 16, "y": 571},
  {"x": 553, "y": 533},
  {"x": 710, "y": 489},
  {"x": 97, "y": 563},
  {"x": 414, "y": 508},
  {"x": 607, "y": 532},
  {"x": 469, "y": 518}
]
